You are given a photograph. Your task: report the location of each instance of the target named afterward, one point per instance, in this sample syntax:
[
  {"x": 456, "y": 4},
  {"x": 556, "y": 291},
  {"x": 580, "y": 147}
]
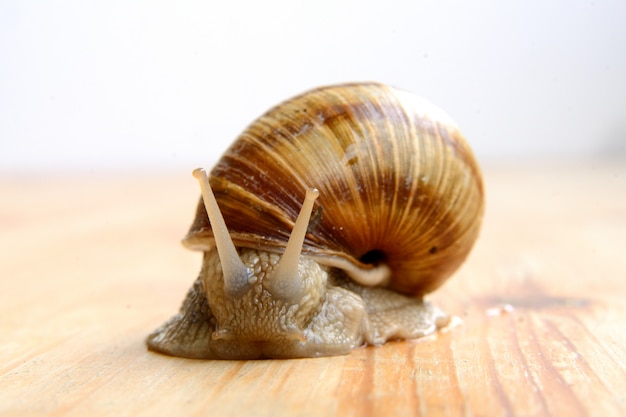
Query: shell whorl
[{"x": 398, "y": 184}]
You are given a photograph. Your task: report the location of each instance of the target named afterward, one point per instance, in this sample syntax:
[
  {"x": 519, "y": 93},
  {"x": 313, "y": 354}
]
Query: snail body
[{"x": 393, "y": 201}]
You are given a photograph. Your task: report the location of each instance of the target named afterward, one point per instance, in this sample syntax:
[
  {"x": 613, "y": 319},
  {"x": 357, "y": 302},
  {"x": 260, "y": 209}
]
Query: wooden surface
[{"x": 90, "y": 265}]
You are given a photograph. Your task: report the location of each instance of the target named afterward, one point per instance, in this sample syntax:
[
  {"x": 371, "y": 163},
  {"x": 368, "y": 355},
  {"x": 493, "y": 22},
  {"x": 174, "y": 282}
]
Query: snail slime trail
[{"x": 396, "y": 198}]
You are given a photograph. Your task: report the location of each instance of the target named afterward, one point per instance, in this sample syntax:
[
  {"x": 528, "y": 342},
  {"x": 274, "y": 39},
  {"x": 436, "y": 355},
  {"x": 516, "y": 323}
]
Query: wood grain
[{"x": 89, "y": 266}]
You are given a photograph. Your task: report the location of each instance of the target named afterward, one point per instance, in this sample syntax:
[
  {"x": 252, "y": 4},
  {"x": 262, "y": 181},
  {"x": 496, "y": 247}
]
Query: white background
[{"x": 119, "y": 85}]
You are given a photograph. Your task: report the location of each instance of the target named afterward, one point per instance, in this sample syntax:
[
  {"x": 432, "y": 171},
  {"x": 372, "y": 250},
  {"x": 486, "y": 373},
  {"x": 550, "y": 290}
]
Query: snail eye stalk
[
  {"x": 285, "y": 282},
  {"x": 236, "y": 275}
]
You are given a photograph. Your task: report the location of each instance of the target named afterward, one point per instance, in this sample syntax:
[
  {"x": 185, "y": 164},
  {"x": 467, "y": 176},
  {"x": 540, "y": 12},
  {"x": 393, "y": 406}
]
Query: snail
[{"x": 323, "y": 227}]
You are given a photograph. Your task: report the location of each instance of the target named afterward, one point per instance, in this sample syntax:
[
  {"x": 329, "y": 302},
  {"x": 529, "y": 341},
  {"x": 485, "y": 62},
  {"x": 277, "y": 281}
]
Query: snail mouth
[{"x": 373, "y": 257}]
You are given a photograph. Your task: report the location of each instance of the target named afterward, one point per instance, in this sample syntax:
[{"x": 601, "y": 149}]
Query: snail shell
[
  {"x": 399, "y": 186},
  {"x": 393, "y": 201}
]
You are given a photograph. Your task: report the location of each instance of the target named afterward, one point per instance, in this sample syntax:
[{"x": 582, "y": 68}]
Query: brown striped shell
[{"x": 398, "y": 184}]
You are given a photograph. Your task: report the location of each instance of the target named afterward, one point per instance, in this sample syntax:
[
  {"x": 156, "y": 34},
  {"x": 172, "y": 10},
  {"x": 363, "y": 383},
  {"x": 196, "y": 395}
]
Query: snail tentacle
[
  {"x": 236, "y": 275},
  {"x": 285, "y": 283}
]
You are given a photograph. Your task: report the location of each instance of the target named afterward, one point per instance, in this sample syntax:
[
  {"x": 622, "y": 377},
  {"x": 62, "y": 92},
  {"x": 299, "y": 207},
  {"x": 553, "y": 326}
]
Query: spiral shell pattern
[{"x": 398, "y": 184}]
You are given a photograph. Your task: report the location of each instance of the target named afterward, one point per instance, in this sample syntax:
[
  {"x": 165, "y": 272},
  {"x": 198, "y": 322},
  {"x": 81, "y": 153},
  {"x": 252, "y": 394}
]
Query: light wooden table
[{"x": 90, "y": 265}]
